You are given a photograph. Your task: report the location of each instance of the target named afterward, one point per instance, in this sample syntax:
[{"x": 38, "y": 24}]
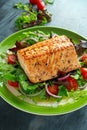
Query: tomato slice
[
  {"x": 33, "y": 1},
  {"x": 72, "y": 84},
  {"x": 84, "y": 73},
  {"x": 41, "y": 5},
  {"x": 13, "y": 83},
  {"x": 84, "y": 58},
  {"x": 53, "y": 89},
  {"x": 12, "y": 58}
]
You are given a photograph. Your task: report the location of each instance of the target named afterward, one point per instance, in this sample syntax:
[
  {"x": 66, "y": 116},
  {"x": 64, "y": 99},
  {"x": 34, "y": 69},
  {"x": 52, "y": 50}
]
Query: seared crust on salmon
[{"x": 45, "y": 60}]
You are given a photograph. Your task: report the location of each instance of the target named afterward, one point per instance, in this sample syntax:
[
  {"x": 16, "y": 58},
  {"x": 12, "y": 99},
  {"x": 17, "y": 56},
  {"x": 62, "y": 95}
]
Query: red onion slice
[
  {"x": 63, "y": 78},
  {"x": 83, "y": 87},
  {"x": 55, "y": 96}
]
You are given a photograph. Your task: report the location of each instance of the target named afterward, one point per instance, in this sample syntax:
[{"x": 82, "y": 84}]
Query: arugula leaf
[
  {"x": 36, "y": 36},
  {"x": 20, "y": 5},
  {"x": 49, "y": 1},
  {"x": 26, "y": 18},
  {"x": 26, "y": 86},
  {"x": 62, "y": 91},
  {"x": 29, "y": 88},
  {"x": 43, "y": 95},
  {"x": 6, "y": 72}
]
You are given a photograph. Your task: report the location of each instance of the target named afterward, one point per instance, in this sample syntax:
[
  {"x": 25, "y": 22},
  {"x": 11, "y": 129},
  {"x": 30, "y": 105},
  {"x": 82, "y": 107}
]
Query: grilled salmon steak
[{"x": 45, "y": 60}]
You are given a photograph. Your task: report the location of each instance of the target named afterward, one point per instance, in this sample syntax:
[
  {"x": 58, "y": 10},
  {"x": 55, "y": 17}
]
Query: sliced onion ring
[
  {"x": 83, "y": 87},
  {"x": 63, "y": 78},
  {"x": 55, "y": 96}
]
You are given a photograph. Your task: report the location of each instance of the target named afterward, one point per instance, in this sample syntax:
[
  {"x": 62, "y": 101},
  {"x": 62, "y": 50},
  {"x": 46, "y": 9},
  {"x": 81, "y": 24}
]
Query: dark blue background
[{"x": 68, "y": 14}]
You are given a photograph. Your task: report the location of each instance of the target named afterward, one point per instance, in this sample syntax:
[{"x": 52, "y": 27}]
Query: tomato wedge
[
  {"x": 33, "y": 1},
  {"x": 53, "y": 89},
  {"x": 12, "y": 58},
  {"x": 13, "y": 83},
  {"x": 72, "y": 84},
  {"x": 41, "y": 5},
  {"x": 84, "y": 58},
  {"x": 84, "y": 73}
]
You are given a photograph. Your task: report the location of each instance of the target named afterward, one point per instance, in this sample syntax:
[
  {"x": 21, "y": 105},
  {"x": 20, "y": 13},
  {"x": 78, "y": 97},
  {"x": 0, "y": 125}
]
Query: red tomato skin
[
  {"x": 84, "y": 73},
  {"x": 53, "y": 89},
  {"x": 13, "y": 83},
  {"x": 84, "y": 58},
  {"x": 33, "y": 1},
  {"x": 12, "y": 58},
  {"x": 72, "y": 84},
  {"x": 40, "y": 5}
]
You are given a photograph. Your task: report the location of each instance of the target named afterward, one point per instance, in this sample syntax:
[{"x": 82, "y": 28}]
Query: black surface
[{"x": 69, "y": 14}]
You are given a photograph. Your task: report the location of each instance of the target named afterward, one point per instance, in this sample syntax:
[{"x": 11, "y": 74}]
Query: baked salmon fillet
[{"x": 45, "y": 60}]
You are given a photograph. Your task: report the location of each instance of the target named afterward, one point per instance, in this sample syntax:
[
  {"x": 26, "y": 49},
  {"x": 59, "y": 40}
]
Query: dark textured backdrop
[{"x": 68, "y": 14}]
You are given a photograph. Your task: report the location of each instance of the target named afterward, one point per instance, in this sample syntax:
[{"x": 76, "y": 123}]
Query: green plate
[{"x": 20, "y": 104}]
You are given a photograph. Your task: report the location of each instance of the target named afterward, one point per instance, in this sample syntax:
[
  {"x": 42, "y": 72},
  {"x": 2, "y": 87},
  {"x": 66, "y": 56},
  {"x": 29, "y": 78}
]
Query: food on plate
[
  {"x": 45, "y": 68},
  {"x": 48, "y": 59},
  {"x": 41, "y": 5},
  {"x": 84, "y": 58},
  {"x": 12, "y": 58},
  {"x": 84, "y": 73}
]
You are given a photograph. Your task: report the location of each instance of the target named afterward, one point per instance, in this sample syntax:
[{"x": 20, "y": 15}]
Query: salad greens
[
  {"x": 49, "y": 1},
  {"x": 15, "y": 73},
  {"x": 6, "y": 70},
  {"x": 37, "y": 36},
  {"x": 31, "y": 16},
  {"x": 63, "y": 91}
]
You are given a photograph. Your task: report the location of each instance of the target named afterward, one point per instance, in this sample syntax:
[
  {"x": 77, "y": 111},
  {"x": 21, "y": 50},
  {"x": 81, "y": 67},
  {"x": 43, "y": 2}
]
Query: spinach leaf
[{"x": 62, "y": 91}]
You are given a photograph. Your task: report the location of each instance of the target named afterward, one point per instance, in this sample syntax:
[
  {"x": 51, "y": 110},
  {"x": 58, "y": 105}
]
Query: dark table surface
[{"x": 68, "y": 14}]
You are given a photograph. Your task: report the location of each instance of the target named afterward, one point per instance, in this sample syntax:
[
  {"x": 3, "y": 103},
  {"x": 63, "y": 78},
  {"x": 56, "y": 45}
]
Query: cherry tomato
[
  {"x": 13, "y": 83},
  {"x": 84, "y": 73},
  {"x": 12, "y": 58},
  {"x": 84, "y": 58},
  {"x": 53, "y": 89},
  {"x": 33, "y": 1},
  {"x": 72, "y": 84},
  {"x": 41, "y": 5}
]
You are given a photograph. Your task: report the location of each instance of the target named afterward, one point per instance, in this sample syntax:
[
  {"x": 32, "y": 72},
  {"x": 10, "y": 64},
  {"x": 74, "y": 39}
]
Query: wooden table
[{"x": 68, "y": 14}]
